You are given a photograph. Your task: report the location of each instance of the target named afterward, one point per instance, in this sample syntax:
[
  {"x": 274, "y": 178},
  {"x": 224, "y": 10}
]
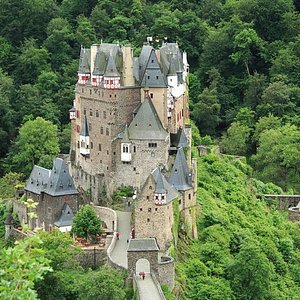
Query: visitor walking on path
[
  {"x": 142, "y": 275},
  {"x": 117, "y": 235}
]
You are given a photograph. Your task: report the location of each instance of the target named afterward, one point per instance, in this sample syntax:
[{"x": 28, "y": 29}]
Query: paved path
[
  {"x": 119, "y": 254},
  {"x": 147, "y": 288}
]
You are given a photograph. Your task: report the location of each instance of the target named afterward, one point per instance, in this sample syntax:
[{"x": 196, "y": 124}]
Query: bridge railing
[
  {"x": 162, "y": 296},
  {"x": 135, "y": 285}
]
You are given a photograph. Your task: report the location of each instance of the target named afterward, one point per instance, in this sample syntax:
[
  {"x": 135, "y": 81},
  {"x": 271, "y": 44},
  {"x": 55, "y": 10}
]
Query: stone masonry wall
[
  {"x": 153, "y": 220},
  {"x": 133, "y": 257},
  {"x": 166, "y": 273},
  {"x": 92, "y": 258},
  {"x": 108, "y": 216},
  {"x": 49, "y": 208},
  {"x": 144, "y": 161}
]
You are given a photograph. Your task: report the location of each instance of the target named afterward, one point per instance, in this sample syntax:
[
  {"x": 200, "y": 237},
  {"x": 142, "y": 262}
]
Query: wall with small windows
[
  {"x": 144, "y": 157},
  {"x": 153, "y": 220}
]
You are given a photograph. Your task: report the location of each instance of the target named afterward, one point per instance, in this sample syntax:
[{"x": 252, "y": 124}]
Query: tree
[
  {"x": 250, "y": 274},
  {"x": 36, "y": 144},
  {"x": 247, "y": 45},
  {"x": 278, "y": 156},
  {"x": 85, "y": 33},
  {"x": 235, "y": 141},
  {"x": 278, "y": 99},
  {"x": 58, "y": 42},
  {"x": 104, "y": 284},
  {"x": 20, "y": 267},
  {"x": 8, "y": 184},
  {"x": 31, "y": 62},
  {"x": 86, "y": 223},
  {"x": 206, "y": 111},
  {"x": 7, "y": 113}
]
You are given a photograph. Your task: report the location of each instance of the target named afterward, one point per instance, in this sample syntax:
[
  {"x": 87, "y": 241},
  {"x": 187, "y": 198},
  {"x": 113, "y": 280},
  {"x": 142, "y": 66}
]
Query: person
[
  {"x": 143, "y": 275},
  {"x": 118, "y": 235}
]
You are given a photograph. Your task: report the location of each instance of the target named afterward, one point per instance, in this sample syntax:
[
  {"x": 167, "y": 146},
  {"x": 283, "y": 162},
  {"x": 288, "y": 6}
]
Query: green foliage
[
  {"x": 105, "y": 284},
  {"x": 235, "y": 141},
  {"x": 245, "y": 250},
  {"x": 20, "y": 267},
  {"x": 37, "y": 143},
  {"x": 277, "y": 157},
  {"x": 86, "y": 223},
  {"x": 8, "y": 184},
  {"x": 167, "y": 293}
]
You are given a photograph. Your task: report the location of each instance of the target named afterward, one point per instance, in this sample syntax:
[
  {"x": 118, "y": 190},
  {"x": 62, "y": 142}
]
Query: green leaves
[
  {"x": 37, "y": 143},
  {"x": 86, "y": 223}
]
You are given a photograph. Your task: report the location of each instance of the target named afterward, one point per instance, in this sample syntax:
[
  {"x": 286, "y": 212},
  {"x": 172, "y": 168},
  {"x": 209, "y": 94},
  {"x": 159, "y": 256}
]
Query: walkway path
[
  {"x": 147, "y": 288},
  {"x": 119, "y": 254}
]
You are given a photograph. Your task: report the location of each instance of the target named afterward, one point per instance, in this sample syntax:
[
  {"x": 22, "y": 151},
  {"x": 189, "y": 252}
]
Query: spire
[
  {"x": 125, "y": 138},
  {"x": 160, "y": 187},
  {"x": 85, "y": 128},
  {"x": 181, "y": 175},
  {"x": 111, "y": 69}
]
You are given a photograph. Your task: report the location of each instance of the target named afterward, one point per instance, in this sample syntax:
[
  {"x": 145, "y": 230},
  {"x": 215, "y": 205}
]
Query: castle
[{"x": 130, "y": 128}]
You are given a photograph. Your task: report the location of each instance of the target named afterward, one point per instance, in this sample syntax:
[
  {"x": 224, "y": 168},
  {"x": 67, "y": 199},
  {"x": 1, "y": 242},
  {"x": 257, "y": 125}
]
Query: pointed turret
[
  {"x": 84, "y": 71},
  {"x": 60, "y": 182},
  {"x": 181, "y": 176},
  {"x": 84, "y": 138},
  {"x": 164, "y": 193},
  {"x": 126, "y": 146}
]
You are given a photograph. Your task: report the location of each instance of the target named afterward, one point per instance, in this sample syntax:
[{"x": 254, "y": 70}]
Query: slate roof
[
  {"x": 66, "y": 217},
  {"x": 100, "y": 63},
  {"x": 180, "y": 176},
  {"x": 84, "y": 61},
  {"x": 144, "y": 58},
  {"x": 111, "y": 69},
  {"x": 142, "y": 244},
  {"x": 125, "y": 138},
  {"x": 84, "y": 128},
  {"x": 55, "y": 182},
  {"x": 38, "y": 180},
  {"x": 179, "y": 139},
  {"x": 146, "y": 124},
  {"x": 162, "y": 186},
  {"x": 171, "y": 58}
]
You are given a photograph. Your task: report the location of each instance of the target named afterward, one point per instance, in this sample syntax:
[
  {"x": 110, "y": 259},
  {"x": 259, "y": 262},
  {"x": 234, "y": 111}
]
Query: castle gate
[{"x": 142, "y": 256}]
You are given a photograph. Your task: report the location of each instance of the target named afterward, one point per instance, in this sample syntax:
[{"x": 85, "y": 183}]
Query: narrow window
[
  {"x": 104, "y": 115},
  {"x": 101, "y": 130},
  {"x": 91, "y": 112},
  {"x": 84, "y": 111},
  {"x": 92, "y": 145},
  {"x": 97, "y": 113},
  {"x": 156, "y": 208},
  {"x": 141, "y": 209},
  {"x": 107, "y": 131},
  {"x": 99, "y": 147},
  {"x": 148, "y": 220},
  {"x": 189, "y": 196},
  {"x": 151, "y": 95}
]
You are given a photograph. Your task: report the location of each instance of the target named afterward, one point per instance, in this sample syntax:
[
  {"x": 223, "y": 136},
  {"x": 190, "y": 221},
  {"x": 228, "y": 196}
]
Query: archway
[{"x": 142, "y": 265}]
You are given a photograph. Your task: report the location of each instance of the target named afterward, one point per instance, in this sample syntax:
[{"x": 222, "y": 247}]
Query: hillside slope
[{"x": 246, "y": 249}]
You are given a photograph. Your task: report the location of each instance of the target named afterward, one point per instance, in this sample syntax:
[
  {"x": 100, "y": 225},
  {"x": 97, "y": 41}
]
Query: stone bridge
[{"x": 284, "y": 201}]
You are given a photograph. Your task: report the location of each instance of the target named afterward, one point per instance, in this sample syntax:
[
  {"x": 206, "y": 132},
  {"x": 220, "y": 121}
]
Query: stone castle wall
[
  {"x": 144, "y": 160},
  {"x": 154, "y": 221},
  {"x": 48, "y": 209},
  {"x": 166, "y": 272}
]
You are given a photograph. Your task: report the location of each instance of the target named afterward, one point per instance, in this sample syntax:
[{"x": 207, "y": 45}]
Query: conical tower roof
[
  {"x": 111, "y": 69},
  {"x": 181, "y": 175},
  {"x": 85, "y": 127}
]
